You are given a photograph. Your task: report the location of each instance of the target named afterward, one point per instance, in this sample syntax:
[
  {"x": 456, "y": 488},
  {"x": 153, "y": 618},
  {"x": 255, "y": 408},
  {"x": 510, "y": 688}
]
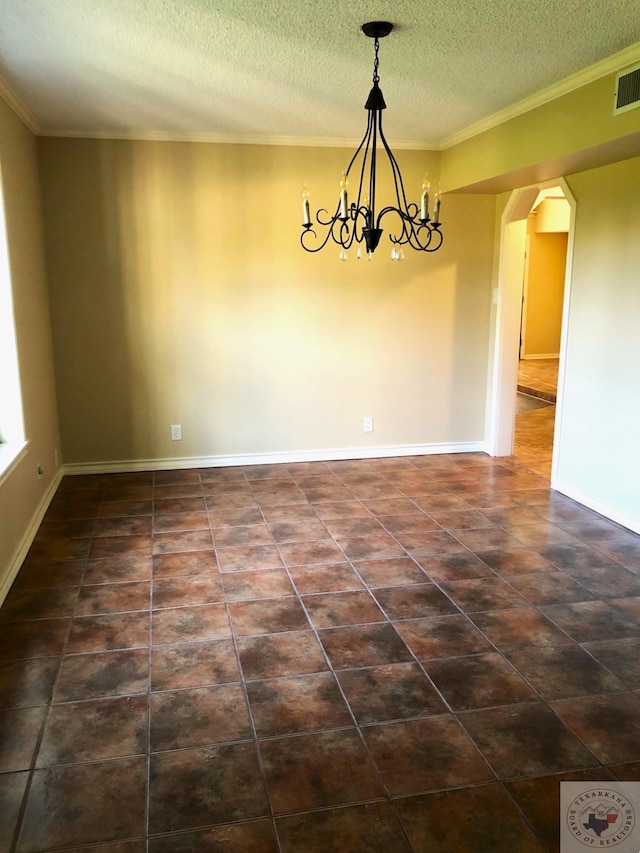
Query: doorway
[{"x": 531, "y": 319}]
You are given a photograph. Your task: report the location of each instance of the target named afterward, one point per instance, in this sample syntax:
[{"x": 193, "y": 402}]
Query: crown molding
[
  {"x": 17, "y": 106},
  {"x": 611, "y": 64},
  {"x": 226, "y": 139}
]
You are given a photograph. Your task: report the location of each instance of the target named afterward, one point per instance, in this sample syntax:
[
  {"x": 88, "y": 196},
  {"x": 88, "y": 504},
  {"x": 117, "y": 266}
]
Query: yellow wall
[
  {"x": 21, "y": 493},
  {"x": 566, "y": 135},
  {"x": 180, "y": 294},
  {"x": 547, "y": 258}
]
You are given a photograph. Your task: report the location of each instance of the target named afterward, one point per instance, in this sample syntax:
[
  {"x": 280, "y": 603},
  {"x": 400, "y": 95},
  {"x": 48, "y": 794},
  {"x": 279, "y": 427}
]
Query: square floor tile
[
  {"x": 478, "y": 681},
  {"x": 184, "y": 591},
  {"x": 193, "y": 665},
  {"x": 330, "y": 577},
  {"x": 117, "y": 569},
  {"x": 18, "y": 640},
  {"x": 372, "y": 827},
  {"x": 93, "y": 676},
  {"x": 191, "y": 788},
  {"x": 256, "y": 836},
  {"x": 454, "y": 567},
  {"x": 550, "y": 588},
  {"x": 25, "y": 683},
  {"x": 411, "y": 602},
  {"x": 19, "y": 733},
  {"x": 43, "y": 575},
  {"x": 311, "y": 553},
  {"x": 396, "y": 571},
  {"x": 622, "y": 657},
  {"x": 519, "y": 628},
  {"x": 113, "y": 631},
  {"x": 187, "y": 540},
  {"x": 184, "y": 563},
  {"x": 250, "y": 534},
  {"x": 318, "y": 770},
  {"x": 91, "y": 731},
  {"x": 396, "y": 692},
  {"x": 486, "y": 819},
  {"x": 27, "y": 604},
  {"x": 12, "y": 788},
  {"x": 267, "y": 617},
  {"x": 240, "y": 586},
  {"x": 589, "y": 621},
  {"x": 525, "y": 740},
  {"x": 516, "y": 561},
  {"x": 63, "y": 809},
  {"x": 539, "y": 799},
  {"x": 330, "y": 610},
  {"x": 442, "y": 636},
  {"x": 198, "y": 717},
  {"x": 302, "y": 703},
  {"x": 561, "y": 672},
  {"x": 113, "y": 598},
  {"x": 363, "y": 645},
  {"x": 481, "y": 594},
  {"x": 273, "y": 655},
  {"x": 111, "y": 546},
  {"x": 246, "y": 558},
  {"x": 609, "y": 725},
  {"x": 187, "y": 624},
  {"x": 425, "y": 755}
]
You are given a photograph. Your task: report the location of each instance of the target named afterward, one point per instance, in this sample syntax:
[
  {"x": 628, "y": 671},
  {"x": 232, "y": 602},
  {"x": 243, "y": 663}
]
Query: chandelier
[{"x": 360, "y": 221}]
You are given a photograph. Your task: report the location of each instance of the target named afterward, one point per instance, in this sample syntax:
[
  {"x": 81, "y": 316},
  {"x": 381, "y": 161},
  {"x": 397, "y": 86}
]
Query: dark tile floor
[{"x": 385, "y": 655}]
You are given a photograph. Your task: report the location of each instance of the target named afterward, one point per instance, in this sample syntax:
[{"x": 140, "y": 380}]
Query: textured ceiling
[{"x": 294, "y": 68}]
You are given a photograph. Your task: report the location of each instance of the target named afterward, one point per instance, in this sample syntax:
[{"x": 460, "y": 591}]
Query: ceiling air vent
[{"x": 627, "y": 90}]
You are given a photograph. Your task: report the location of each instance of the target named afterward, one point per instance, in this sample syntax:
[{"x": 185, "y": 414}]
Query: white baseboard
[
  {"x": 542, "y": 355},
  {"x": 13, "y": 567},
  {"x": 169, "y": 464},
  {"x": 613, "y": 513}
]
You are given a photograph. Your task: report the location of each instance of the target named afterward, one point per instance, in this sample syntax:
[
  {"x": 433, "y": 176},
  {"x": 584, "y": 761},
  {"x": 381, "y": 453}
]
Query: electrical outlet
[
  {"x": 176, "y": 432},
  {"x": 40, "y": 472},
  {"x": 56, "y": 458},
  {"x": 367, "y": 424}
]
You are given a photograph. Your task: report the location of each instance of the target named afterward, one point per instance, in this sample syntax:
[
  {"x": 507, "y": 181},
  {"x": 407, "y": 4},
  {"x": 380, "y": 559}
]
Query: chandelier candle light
[{"x": 359, "y": 220}]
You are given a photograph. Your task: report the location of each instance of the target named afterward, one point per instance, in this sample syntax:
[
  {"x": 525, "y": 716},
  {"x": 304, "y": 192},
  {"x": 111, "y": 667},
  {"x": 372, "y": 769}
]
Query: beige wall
[
  {"x": 180, "y": 294},
  {"x": 21, "y": 493},
  {"x": 547, "y": 259},
  {"x": 598, "y": 456}
]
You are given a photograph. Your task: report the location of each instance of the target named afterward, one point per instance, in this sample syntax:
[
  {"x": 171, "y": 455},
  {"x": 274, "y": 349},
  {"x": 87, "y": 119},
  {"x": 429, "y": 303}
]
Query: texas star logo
[{"x": 601, "y": 817}]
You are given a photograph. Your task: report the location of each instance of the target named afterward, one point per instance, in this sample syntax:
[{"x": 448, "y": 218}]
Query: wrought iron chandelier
[{"x": 360, "y": 221}]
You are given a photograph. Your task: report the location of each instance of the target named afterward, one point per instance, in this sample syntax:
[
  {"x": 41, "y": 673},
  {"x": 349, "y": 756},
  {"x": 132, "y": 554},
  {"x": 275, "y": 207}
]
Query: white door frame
[{"x": 504, "y": 346}]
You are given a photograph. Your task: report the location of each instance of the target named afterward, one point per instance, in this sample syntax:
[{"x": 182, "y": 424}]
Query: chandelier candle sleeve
[
  {"x": 436, "y": 207},
  {"x": 424, "y": 200},
  {"x": 306, "y": 215},
  {"x": 344, "y": 202},
  {"x": 361, "y": 220}
]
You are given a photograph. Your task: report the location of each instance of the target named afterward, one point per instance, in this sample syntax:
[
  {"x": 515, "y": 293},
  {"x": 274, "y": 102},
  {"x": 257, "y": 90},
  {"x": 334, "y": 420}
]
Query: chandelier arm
[
  {"x": 395, "y": 169},
  {"x": 309, "y": 248},
  {"x": 413, "y": 236},
  {"x": 438, "y": 242},
  {"x": 365, "y": 158},
  {"x": 365, "y": 139}
]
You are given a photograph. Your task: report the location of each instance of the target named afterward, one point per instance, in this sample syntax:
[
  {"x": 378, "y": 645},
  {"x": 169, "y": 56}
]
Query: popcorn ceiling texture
[{"x": 295, "y": 68}]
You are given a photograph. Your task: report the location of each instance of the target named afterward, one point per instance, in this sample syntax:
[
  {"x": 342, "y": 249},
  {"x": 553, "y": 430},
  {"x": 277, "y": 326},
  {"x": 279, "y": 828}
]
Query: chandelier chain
[{"x": 376, "y": 62}]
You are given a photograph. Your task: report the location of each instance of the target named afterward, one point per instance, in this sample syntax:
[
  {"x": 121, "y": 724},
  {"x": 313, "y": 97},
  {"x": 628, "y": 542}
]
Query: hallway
[{"x": 535, "y": 414}]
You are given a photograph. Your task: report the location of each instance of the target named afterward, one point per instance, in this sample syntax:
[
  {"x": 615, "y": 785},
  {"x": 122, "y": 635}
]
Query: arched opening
[{"x": 510, "y": 337}]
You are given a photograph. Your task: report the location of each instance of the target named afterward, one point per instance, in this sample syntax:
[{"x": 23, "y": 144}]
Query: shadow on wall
[{"x": 180, "y": 294}]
